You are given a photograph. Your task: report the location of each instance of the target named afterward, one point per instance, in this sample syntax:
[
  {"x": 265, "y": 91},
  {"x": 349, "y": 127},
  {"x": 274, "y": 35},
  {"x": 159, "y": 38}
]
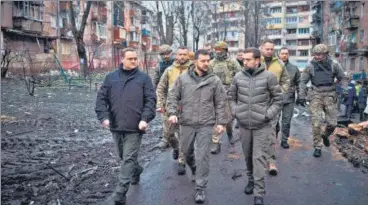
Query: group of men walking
[{"x": 200, "y": 98}]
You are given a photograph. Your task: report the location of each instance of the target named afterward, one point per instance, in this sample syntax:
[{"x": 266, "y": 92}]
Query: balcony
[
  {"x": 291, "y": 25},
  {"x": 352, "y": 22},
  {"x": 66, "y": 32},
  {"x": 349, "y": 47},
  {"x": 99, "y": 14},
  {"x": 28, "y": 25},
  {"x": 290, "y": 36},
  {"x": 274, "y": 36},
  {"x": 292, "y": 47},
  {"x": 303, "y": 36},
  {"x": 232, "y": 38},
  {"x": 274, "y": 26},
  {"x": 119, "y": 34}
]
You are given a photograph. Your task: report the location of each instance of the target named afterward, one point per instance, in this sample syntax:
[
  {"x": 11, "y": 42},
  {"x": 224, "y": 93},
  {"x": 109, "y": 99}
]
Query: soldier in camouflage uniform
[
  {"x": 321, "y": 71},
  {"x": 225, "y": 68},
  {"x": 167, "y": 60},
  {"x": 167, "y": 80}
]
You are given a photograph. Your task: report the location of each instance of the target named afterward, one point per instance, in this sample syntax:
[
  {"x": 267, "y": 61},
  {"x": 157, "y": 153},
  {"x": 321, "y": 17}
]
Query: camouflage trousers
[
  {"x": 323, "y": 107},
  {"x": 229, "y": 127},
  {"x": 172, "y": 135}
]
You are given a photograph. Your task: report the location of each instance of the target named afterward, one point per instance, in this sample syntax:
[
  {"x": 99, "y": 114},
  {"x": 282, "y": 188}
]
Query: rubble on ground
[{"x": 352, "y": 142}]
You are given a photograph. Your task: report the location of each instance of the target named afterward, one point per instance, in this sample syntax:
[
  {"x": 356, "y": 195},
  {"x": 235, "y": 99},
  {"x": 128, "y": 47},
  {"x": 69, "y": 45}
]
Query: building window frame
[
  {"x": 361, "y": 63},
  {"x": 352, "y": 64}
]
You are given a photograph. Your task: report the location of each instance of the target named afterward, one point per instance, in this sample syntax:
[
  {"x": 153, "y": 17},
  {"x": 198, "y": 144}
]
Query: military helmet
[
  {"x": 221, "y": 44},
  {"x": 320, "y": 48},
  {"x": 164, "y": 49}
]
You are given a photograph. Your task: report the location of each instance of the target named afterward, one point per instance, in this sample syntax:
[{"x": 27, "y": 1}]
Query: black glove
[{"x": 301, "y": 102}]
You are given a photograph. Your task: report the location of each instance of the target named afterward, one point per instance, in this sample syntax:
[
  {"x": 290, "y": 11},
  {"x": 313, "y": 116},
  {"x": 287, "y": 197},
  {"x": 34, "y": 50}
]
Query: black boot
[
  {"x": 181, "y": 169},
  {"x": 249, "y": 188},
  {"x": 317, "y": 153},
  {"x": 258, "y": 200},
  {"x": 284, "y": 145},
  {"x": 137, "y": 175},
  {"x": 175, "y": 154},
  {"x": 200, "y": 196},
  {"x": 118, "y": 199}
]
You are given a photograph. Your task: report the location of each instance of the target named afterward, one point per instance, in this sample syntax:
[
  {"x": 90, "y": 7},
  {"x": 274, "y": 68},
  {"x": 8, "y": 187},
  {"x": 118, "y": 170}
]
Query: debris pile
[{"x": 352, "y": 142}]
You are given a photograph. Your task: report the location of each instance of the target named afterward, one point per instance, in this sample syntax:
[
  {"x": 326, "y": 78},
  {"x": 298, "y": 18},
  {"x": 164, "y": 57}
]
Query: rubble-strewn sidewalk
[{"x": 352, "y": 142}]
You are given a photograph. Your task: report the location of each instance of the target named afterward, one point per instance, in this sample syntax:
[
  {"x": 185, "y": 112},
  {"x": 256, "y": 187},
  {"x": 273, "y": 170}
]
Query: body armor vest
[{"x": 322, "y": 74}]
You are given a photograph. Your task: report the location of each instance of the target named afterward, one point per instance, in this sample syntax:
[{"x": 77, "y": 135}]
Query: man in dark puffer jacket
[{"x": 255, "y": 99}]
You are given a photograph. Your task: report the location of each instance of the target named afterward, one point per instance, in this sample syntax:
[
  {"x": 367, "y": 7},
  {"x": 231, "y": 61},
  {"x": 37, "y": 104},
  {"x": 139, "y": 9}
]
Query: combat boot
[
  {"x": 216, "y": 148},
  {"x": 258, "y": 200},
  {"x": 175, "y": 154},
  {"x": 272, "y": 169},
  {"x": 181, "y": 169},
  {"x": 117, "y": 198},
  {"x": 284, "y": 145},
  {"x": 250, "y": 186},
  {"x": 137, "y": 175},
  {"x": 317, "y": 153},
  {"x": 200, "y": 196}
]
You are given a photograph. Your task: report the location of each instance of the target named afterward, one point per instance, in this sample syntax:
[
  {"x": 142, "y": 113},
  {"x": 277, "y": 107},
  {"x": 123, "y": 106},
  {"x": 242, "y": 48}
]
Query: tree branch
[{"x": 84, "y": 18}]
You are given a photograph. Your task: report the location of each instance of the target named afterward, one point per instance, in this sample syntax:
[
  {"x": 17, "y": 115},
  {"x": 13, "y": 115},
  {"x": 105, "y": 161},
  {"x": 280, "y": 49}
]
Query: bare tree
[
  {"x": 183, "y": 11},
  {"x": 93, "y": 50},
  {"x": 78, "y": 34},
  {"x": 28, "y": 72},
  {"x": 251, "y": 24},
  {"x": 6, "y": 58},
  {"x": 165, "y": 13},
  {"x": 201, "y": 16}
]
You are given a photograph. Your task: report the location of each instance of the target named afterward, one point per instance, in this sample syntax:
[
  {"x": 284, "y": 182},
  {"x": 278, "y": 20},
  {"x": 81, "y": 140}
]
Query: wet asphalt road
[{"x": 302, "y": 179}]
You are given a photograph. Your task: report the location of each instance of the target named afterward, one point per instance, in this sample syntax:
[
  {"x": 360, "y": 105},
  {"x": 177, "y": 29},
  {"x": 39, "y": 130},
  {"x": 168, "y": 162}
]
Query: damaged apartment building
[{"x": 39, "y": 28}]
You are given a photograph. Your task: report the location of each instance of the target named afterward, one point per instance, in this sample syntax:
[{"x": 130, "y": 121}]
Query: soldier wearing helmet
[
  {"x": 225, "y": 68},
  {"x": 167, "y": 60},
  {"x": 322, "y": 71}
]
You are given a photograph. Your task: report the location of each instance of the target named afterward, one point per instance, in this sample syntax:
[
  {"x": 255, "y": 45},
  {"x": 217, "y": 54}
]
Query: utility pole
[{"x": 58, "y": 49}]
